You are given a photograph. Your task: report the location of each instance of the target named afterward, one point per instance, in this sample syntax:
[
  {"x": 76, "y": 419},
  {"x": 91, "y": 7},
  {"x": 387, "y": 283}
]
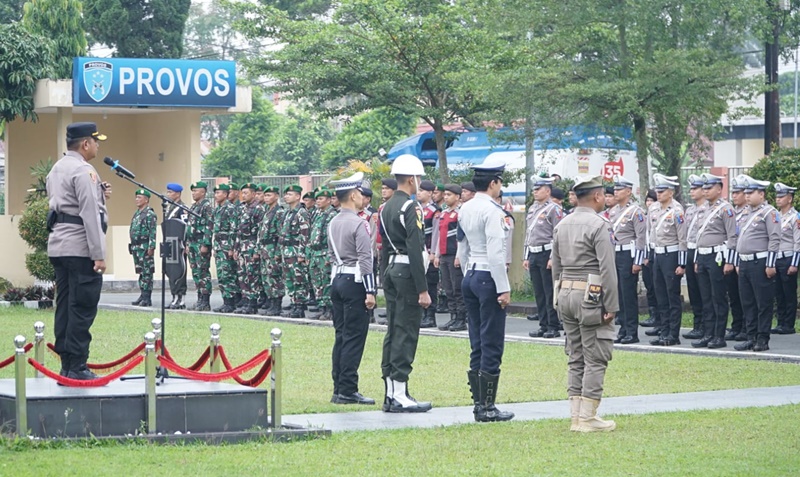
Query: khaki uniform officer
[
  {"x": 788, "y": 260},
  {"x": 739, "y": 203},
  {"x": 587, "y": 300},
  {"x": 757, "y": 252},
  {"x": 694, "y": 215},
  {"x": 77, "y": 246}
]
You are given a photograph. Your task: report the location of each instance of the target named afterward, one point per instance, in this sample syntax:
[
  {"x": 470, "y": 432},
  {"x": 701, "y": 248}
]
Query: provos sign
[
  {"x": 153, "y": 82},
  {"x": 612, "y": 169}
]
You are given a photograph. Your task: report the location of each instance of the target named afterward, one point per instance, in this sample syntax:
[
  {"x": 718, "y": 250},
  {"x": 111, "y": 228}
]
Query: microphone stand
[{"x": 166, "y": 251}]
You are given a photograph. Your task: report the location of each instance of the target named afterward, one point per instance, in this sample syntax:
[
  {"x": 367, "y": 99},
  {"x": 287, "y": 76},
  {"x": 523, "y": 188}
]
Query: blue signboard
[{"x": 153, "y": 83}]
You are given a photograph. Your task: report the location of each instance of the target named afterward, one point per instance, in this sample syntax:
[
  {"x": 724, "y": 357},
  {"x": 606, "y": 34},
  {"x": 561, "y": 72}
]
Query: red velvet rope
[
  {"x": 112, "y": 364},
  {"x": 256, "y": 380},
  {"x": 212, "y": 377},
  {"x": 92, "y": 383},
  {"x": 201, "y": 361},
  {"x": 10, "y": 359}
]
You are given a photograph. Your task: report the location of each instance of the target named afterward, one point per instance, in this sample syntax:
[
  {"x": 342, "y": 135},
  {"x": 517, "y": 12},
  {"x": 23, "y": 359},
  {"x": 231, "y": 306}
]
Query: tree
[
  {"x": 407, "y": 55},
  {"x": 366, "y": 135},
  {"x": 59, "y": 20},
  {"x": 295, "y": 145},
  {"x": 25, "y": 57},
  {"x": 10, "y": 11},
  {"x": 300, "y": 8},
  {"x": 138, "y": 28},
  {"x": 242, "y": 153}
]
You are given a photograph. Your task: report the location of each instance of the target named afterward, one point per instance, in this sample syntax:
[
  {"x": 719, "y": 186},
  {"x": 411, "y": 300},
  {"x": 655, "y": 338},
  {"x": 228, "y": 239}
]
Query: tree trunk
[
  {"x": 642, "y": 154},
  {"x": 441, "y": 150},
  {"x": 530, "y": 165}
]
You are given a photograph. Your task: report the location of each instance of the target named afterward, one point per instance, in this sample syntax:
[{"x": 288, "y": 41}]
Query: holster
[{"x": 52, "y": 216}]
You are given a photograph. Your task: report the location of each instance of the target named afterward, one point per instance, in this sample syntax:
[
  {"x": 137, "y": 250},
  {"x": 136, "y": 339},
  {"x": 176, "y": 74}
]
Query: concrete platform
[{"x": 119, "y": 409}]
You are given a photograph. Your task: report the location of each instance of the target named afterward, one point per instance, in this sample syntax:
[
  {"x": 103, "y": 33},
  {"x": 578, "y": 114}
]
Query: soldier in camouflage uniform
[
  {"x": 293, "y": 240},
  {"x": 247, "y": 253},
  {"x": 143, "y": 246},
  {"x": 199, "y": 231},
  {"x": 319, "y": 262},
  {"x": 271, "y": 268},
  {"x": 233, "y": 198},
  {"x": 224, "y": 237}
]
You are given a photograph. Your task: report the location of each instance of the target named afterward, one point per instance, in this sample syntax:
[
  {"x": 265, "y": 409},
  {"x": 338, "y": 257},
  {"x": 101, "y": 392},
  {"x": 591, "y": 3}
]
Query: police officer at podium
[{"x": 77, "y": 246}]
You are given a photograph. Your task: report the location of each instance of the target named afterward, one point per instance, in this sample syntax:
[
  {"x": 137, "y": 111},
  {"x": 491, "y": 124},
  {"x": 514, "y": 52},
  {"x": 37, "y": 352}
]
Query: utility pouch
[{"x": 594, "y": 290}]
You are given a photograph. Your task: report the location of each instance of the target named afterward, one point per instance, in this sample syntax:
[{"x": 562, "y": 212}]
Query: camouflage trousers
[
  {"x": 201, "y": 268},
  {"x": 319, "y": 272},
  {"x": 295, "y": 275},
  {"x": 272, "y": 273},
  {"x": 250, "y": 274},
  {"x": 145, "y": 267},
  {"x": 226, "y": 274}
]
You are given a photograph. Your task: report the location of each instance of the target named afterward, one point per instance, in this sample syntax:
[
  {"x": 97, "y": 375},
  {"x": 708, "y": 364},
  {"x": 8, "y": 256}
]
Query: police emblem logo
[
  {"x": 93, "y": 176},
  {"x": 97, "y": 79}
]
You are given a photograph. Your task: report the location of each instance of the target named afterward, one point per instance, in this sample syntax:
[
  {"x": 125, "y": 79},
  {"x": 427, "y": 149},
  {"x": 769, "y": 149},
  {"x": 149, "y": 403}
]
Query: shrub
[
  {"x": 14, "y": 294},
  {"x": 783, "y": 165},
  {"x": 38, "y": 264},
  {"x": 33, "y": 224},
  {"x": 4, "y": 285},
  {"x": 34, "y": 293}
]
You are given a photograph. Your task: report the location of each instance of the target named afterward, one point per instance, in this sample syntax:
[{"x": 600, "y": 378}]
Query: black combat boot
[
  {"x": 179, "y": 304},
  {"x": 429, "y": 320},
  {"x": 762, "y": 344},
  {"x": 205, "y": 303},
  {"x": 237, "y": 299},
  {"x": 460, "y": 324},
  {"x": 80, "y": 371},
  {"x": 146, "y": 298},
  {"x": 487, "y": 412},
  {"x": 274, "y": 307},
  {"x": 138, "y": 301},
  {"x": 696, "y": 333},
  {"x": 441, "y": 304},
  {"x": 297, "y": 312},
  {"x": 198, "y": 303},
  {"x": 474, "y": 390},
  {"x": 327, "y": 314},
  {"x": 227, "y": 306},
  {"x": 262, "y": 301},
  {"x": 447, "y": 325},
  {"x": 244, "y": 304}
]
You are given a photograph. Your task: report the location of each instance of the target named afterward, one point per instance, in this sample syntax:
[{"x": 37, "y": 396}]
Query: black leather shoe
[
  {"x": 458, "y": 325},
  {"x": 629, "y": 340},
  {"x": 533, "y": 317},
  {"x": 82, "y": 373},
  {"x": 703, "y": 343},
  {"x": 782, "y": 330},
  {"x": 537, "y": 334},
  {"x": 695, "y": 334},
  {"x": 355, "y": 398},
  {"x": 761, "y": 345},
  {"x": 664, "y": 342},
  {"x": 731, "y": 335},
  {"x": 648, "y": 323},
  {"x": 717, "y": 343},
  {"x": 653, "y": 332},
  {"x": 449, "y": 323},
  {"x": 552, "y": 334},
  {"x": 741, "y": 337},
  {"x": 746, "y": 346},
  {"x": 619, "y": 339}
]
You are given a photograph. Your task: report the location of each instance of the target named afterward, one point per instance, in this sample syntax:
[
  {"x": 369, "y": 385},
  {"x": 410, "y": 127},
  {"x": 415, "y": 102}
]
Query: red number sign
[{"x": 613, "y": 168}]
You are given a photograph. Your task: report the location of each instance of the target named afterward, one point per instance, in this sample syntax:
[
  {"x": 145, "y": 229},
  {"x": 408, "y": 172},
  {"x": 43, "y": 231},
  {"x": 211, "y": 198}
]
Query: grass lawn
[
  {"x": 530, "y": 372},
  {"x": 759, "y": 442}
]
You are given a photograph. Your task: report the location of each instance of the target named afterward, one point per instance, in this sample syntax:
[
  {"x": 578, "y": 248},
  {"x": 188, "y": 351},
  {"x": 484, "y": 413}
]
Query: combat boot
[
  {"x": 274, "y": 307},
  {"x": 146, "y": 298},
  {"x": 762, "y": 344},
  {"x": 243, "y": 306},
  {"x": 474, "y": 390},
  {"x": 388, "y": 393},
  {"x": 487, "y": 412},
  {"x": 297, "y": 312},
  {"x": 198, "y": 303},
  {"x": 237, "y": 300},
  {"x": 429, "y": 320},
  {"x": 460, "y": 324},
  {"x": 138, "y": 301},
  {"x": 447, "y": 325},
  {"x": 81, "y": 372},
  {"x": 588, "y": 421},
  {"x": 205, "y": 304},
  {"x": 327, "y": 314},
  {"x": 574, "y": 412},
  {"x": 262, "y": 301},
  {"x": 227, "y": 306},
  {"x": 179, "y": 304},
  {"x": 441, "y": 304},
  {"x": 172, "y": 303},
  {"x": 403, "y": 402},
  {"x": 696, "y": 334}
]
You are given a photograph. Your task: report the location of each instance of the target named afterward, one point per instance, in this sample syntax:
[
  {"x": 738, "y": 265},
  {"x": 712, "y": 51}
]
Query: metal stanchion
[
  {"x": 156, "y": 323},
  {"x": 213, "y": 360},
  {"x": 150, "y": 380},
  {"x": 276, "y": 378},
  {"x": 21, "y": 400},
  {"x": 38, "y": 345}
]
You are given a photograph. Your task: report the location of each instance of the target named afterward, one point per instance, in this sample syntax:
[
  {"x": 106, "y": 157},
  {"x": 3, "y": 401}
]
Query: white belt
[
  {"x": 623, "y": 248},
  {"x": 748, "y": 257},
  {"x": 480, "y": 267},
  {"x": 691, "y": 245},
  {"x": 347, "y": 270},
  {"x": 541, "y": 248},
  {"x": 667, "y": 249},
  {"x": 399, "y": 259},
  {"x": 710, "y": 250},
  {"x": 785, "y": 253}
]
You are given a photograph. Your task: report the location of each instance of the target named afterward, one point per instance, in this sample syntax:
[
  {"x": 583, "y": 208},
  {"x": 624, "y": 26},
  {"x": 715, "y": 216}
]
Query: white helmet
[{"x": 407, "y": 165}]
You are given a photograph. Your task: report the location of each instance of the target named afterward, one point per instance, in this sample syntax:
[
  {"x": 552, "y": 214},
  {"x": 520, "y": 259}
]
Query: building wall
[{"x": 14, "y": 250}]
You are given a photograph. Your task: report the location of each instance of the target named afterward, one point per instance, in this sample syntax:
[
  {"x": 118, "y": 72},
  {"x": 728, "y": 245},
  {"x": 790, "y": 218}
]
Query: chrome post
[
  {"x": 38, "y": 345},
  {"x": 276, "y": 377},
  {"x": 150, "y": 380},
  {"x": 213, "y": 360},
  {"x": 21, "y": 400}
]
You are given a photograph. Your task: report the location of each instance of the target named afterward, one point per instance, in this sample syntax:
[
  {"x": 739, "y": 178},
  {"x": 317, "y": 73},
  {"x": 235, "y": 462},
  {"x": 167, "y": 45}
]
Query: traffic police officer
[
  {"x": 485, "y": 288},
  {"x": 587, "y": 300},
  {"x": 143, "y": 246},
  {"x": 177, "y": 285},
  {"x": 716, "y": 250},
  {"x": 430, "y": 215},
  {"x": 199, "y": 238},
  {"x": 757, "y": 251},
  {"x": 736, "y": 331},
  {"x": 668, "y": 231},
  {"x": 352, "y": 289},
  {"x": 543, "y": 216},
  {"x": 76, "y": 246},
  {"x": 224, "y": 230},
  {"x": 788, "y": 260},
  {"x": 405, "y": 286},
  {"x": 694, "y": 215},
  {"x": 628, "y": 228}
]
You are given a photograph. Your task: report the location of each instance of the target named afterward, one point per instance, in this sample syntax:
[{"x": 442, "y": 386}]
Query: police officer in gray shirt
[
  {"x": 694, "y": 217},
  {"x": 77, "y": 246},
  {"x": 788, "y": 260},
  {"x": 486, "y": 290},
  {"x": 352, "y": 289},
  {"x": 757, "y": 252}
]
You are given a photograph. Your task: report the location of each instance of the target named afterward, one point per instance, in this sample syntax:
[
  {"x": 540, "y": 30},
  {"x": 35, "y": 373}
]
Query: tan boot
[
  {"x": 575, "y": 410},
  {"x": 588, "y": 420}
]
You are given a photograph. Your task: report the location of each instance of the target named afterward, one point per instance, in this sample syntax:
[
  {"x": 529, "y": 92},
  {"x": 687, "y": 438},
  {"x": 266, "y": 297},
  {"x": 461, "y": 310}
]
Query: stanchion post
[
  {"x": 150, "y": 380},
  {"x": 19, "y": 377},
  {"x": 38, "y": 345},
  {"x": 276, "y": 378},
  {"x": 213, "y": 348},
  {"x": 156, "y": 323}
]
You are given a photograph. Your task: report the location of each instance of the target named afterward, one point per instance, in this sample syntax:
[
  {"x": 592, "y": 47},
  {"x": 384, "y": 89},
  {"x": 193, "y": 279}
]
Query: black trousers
[
  {"x": 350, "y": 325},
  {"x": 700, "y": 308},
  {"x": 452, "y": 277},
  {"x": 737, "y": 314},
  {"x": 786, "y": 294},
  {"x": 432, "y": 277},
  {"x": 648, "y": 272},
  {"x": 404, "y": 315},
  {"x": 542, "y": 281},
  {"x": 757, "y": 293},
  {"x": 77, "y": 294},
  {"x": 629, "y": 302},
  {"x": 669, "y": 301},
  {"x": 714, "y": 293},
  {"x": 487, "y": 322}
]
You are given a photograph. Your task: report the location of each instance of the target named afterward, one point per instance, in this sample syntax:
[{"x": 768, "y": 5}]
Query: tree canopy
[
  {"x": 25, "y": 57},
  {"x": 59, "y": 20}
]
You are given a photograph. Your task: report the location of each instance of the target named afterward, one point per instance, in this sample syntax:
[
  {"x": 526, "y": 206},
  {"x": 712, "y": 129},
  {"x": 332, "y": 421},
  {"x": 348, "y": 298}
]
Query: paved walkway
[
  {"x": 534, "y": 411},
  {"x": 782, "y": 347}
]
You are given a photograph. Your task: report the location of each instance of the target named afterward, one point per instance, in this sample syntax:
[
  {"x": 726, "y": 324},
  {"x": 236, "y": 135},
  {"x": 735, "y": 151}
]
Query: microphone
[{"x": 116, "y": 167}]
